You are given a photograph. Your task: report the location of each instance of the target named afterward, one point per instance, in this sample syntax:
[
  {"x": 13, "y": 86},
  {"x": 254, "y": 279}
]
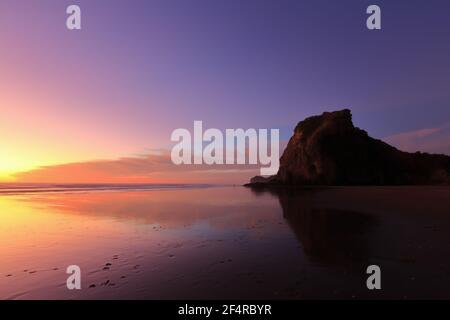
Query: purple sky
[{"x": 139, "y": 69}]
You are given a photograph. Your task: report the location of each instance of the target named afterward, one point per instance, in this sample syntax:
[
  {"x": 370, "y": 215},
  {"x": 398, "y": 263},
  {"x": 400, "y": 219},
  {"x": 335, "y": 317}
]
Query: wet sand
[{"x": 219, "y": 243}]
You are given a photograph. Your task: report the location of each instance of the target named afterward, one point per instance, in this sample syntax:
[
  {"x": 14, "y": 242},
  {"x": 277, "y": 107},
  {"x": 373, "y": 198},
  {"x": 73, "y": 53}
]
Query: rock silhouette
[{"x": 329, "y": 150}]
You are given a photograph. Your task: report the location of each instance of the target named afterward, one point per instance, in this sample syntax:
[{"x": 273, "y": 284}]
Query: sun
[
  {"x": 5, "y": 177},
  {"x": 9, "y": 168}
]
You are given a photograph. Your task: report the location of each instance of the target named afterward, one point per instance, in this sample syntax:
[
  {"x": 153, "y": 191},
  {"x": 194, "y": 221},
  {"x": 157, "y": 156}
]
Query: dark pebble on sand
[
  {"x": 108, "y": 264},
  {"x": 92, "y": 286}
]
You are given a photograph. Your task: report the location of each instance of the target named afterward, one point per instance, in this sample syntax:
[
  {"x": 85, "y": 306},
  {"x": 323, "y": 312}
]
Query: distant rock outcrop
[{"x": 329, "y": 150}]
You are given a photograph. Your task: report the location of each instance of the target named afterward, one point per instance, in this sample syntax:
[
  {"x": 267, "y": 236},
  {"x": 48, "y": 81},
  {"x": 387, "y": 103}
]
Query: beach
[{"x": 190, "y": 242}]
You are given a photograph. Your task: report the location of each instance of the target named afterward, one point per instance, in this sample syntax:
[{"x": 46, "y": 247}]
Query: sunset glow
[
  {"x": 218, "y": 158},
  {"x": 117, "y": 90}
]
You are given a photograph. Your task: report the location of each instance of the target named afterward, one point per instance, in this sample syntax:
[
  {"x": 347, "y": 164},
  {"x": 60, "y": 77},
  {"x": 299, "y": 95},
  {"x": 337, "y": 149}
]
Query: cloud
[
  {"x": 433, "y": 140},
  {"x": 156, "y": 167}
]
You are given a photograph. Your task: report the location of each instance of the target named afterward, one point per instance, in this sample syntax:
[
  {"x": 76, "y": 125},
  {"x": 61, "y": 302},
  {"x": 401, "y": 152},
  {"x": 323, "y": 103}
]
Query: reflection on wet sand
[
  {"x": 404, "y": 230},
  {"x": 217, "y": 243},
  {"x": 327, "y": 235}
]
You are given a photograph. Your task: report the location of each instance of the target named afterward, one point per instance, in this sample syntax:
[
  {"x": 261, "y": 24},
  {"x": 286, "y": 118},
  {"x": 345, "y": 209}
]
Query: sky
[{"x": 105, "y": 99}]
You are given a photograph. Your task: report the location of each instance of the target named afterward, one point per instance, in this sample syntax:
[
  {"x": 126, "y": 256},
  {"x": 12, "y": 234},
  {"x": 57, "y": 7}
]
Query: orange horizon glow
[{"x": 156, "y": 168}]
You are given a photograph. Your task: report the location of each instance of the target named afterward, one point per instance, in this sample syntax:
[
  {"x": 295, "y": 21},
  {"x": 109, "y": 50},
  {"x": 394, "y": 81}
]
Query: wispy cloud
[
  {"x": 156, "y": 167},
  {"x": 434, "y": 140}
]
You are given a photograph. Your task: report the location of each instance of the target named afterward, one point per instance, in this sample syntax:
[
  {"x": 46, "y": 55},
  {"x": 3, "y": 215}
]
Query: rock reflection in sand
[{"x": 327, "y": 235}]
